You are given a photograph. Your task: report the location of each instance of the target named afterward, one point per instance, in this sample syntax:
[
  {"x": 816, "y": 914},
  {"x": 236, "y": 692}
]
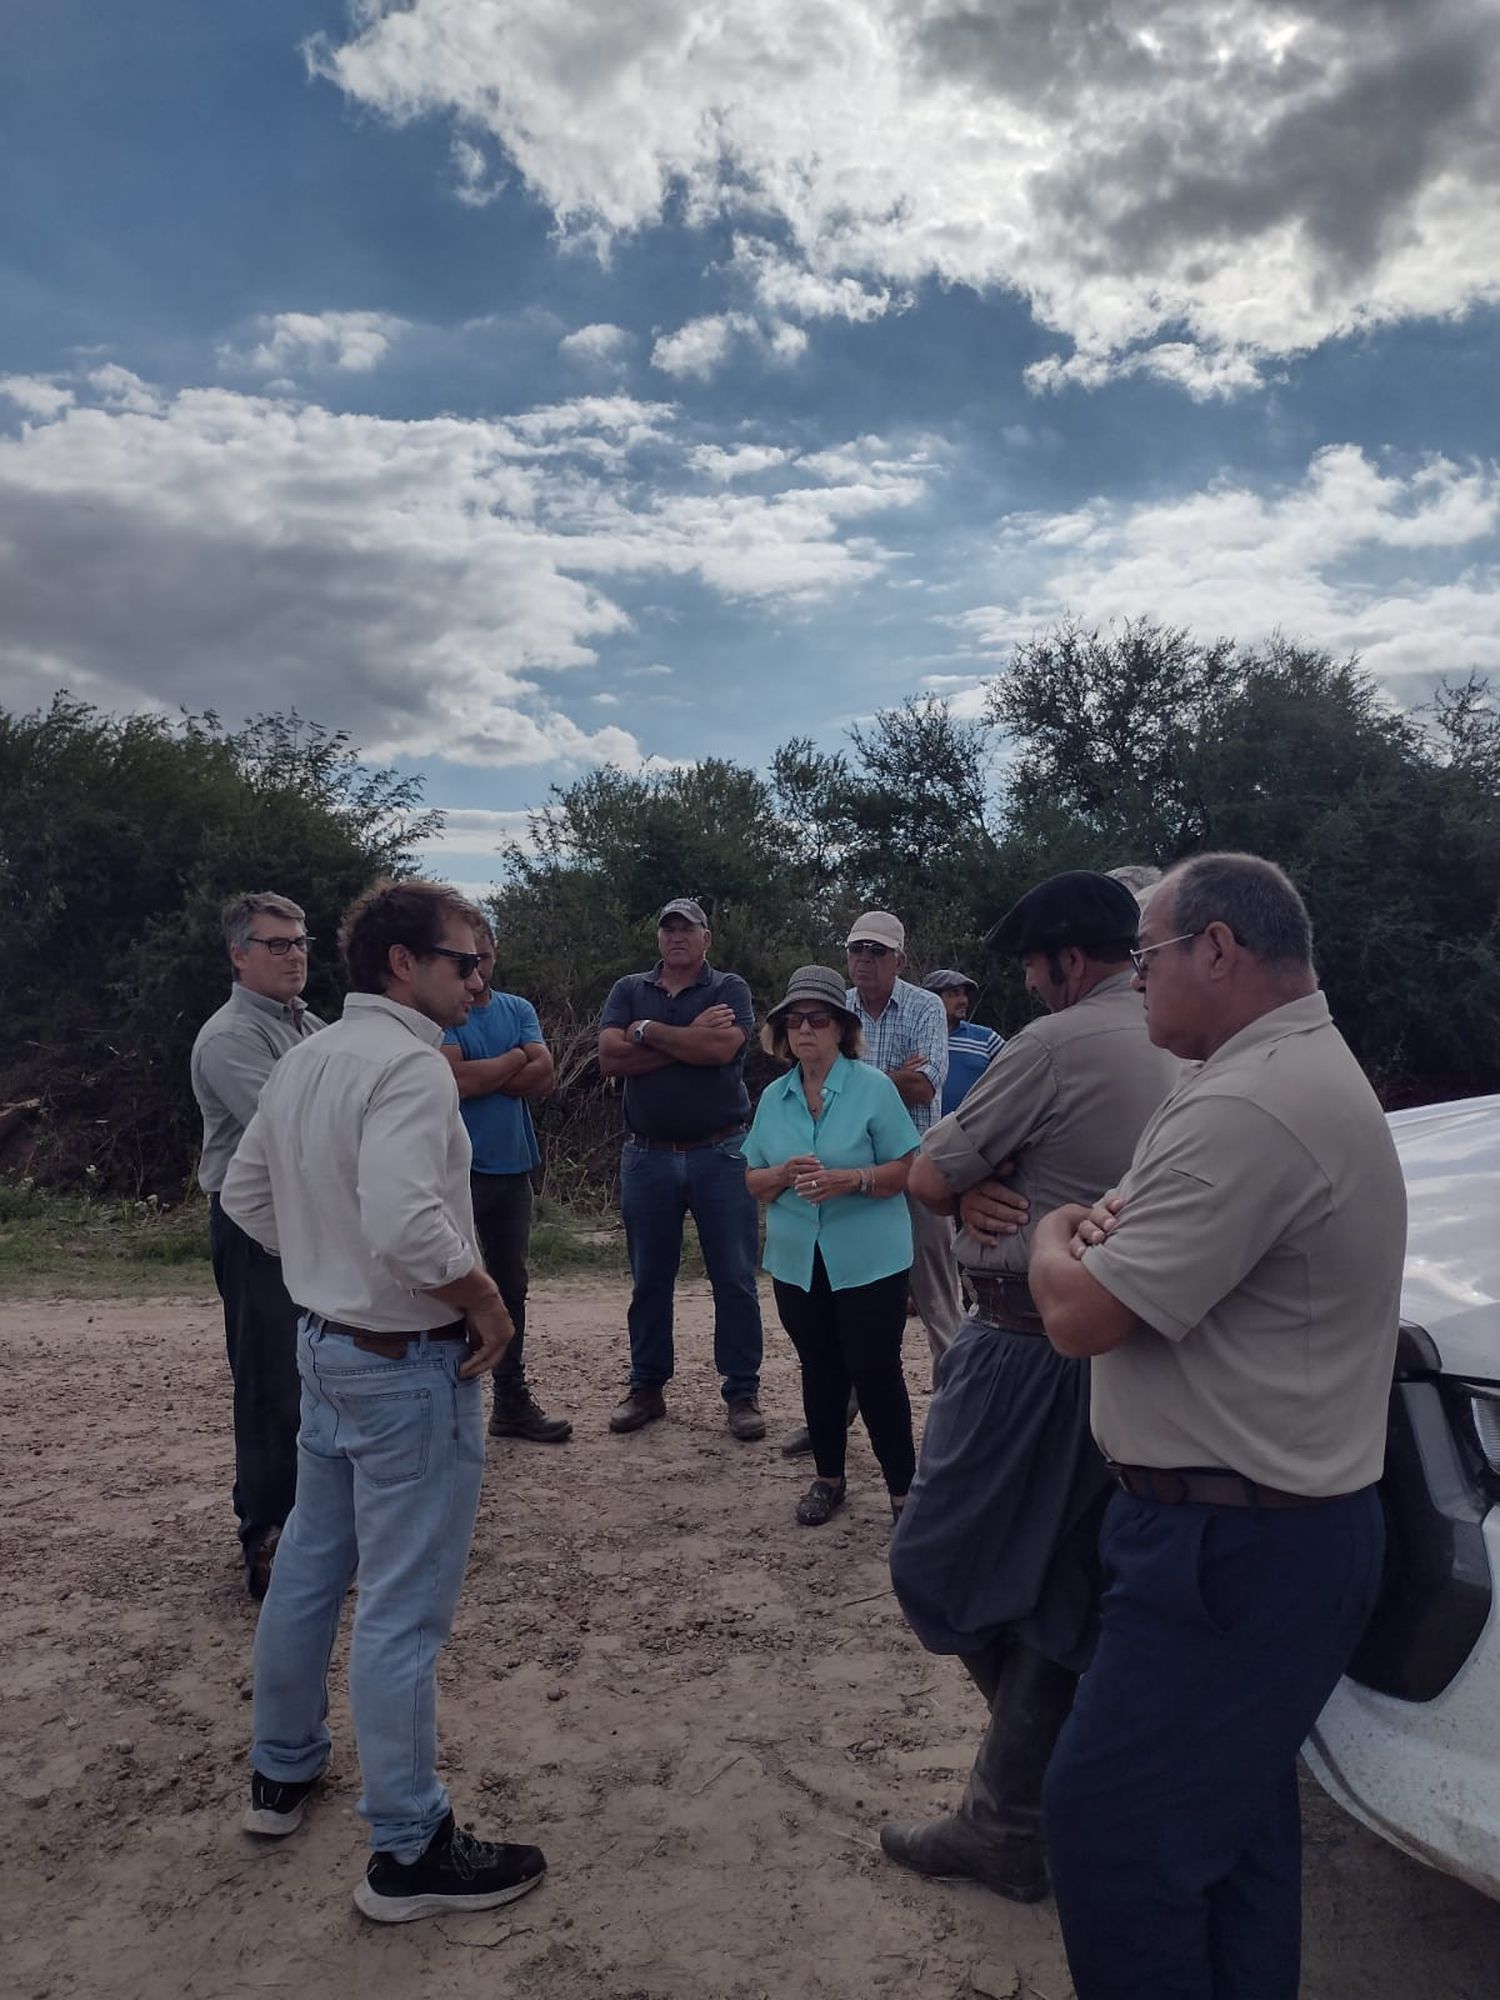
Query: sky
[{"x": 523, "y": 384}]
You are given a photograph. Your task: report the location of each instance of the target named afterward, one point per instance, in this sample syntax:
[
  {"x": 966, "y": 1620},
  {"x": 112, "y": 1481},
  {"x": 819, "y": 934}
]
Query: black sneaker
[
  {"x": 457, "y": 1872},
  {"x": 275, "y": 1810}
]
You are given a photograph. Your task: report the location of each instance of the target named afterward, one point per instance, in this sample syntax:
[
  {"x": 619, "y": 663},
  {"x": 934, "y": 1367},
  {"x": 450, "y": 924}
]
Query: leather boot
[{"x": 995, "y": 1836}]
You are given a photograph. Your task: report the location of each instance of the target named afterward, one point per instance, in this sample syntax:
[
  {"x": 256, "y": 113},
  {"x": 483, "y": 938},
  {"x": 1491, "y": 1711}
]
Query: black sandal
[{"x": 819, "y": 1501}]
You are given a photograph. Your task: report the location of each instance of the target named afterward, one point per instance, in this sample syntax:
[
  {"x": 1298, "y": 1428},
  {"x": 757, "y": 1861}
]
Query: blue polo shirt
[
  {"x": 970, "y": 1048},
  {"x": 683, "y": 1101},
  {"x": 500, "y": 1127},
  {"x": 864, "y": 1124}
]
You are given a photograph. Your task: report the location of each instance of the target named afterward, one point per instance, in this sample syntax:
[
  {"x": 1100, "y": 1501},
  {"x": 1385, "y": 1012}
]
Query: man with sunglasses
[
  {"x": 355, "y": 1169},
  {"x": 1238, "y": 1293},
  {"x": 675, "y": 1037},
  {"x": 235, "y": 1051}
]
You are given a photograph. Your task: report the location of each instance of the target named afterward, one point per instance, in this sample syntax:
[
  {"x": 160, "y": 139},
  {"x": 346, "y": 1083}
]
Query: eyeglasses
[
  {"x": 868, "y": 950},
  {"x": 279, "y": 947},
  {"x": 1138, "y": 958},
  {"x": 466, "y": 961},
  {"x": 796, "y": 1017}
]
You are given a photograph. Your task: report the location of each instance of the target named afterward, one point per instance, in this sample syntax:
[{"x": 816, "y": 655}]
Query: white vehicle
[{"x": 1410, "y": 1741}]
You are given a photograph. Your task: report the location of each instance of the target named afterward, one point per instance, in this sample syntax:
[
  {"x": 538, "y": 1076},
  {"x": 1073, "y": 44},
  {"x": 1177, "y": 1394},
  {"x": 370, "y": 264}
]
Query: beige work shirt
[
  {"x": 1262, "y": 1249},
  {"x": 355, "y": 1170},
  {"x": 1066, "y": 1099}
]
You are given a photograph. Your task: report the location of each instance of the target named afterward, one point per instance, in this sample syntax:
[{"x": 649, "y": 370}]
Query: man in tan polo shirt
[
  {"x": 1239, "y": 1295},
  {"x": 996, "y": 1555}
]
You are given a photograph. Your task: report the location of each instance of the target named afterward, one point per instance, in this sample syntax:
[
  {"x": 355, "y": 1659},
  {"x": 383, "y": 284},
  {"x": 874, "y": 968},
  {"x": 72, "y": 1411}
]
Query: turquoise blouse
[{"x": 863, "y": 1124}]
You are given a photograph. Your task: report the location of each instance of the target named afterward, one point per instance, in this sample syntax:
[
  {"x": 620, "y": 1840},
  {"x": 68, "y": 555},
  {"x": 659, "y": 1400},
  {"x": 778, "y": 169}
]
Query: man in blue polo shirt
[
  {"x": 676, "y": 1037},
  {"x": 970, "y": 1047},
  {"x": 500, "y": 1061}
]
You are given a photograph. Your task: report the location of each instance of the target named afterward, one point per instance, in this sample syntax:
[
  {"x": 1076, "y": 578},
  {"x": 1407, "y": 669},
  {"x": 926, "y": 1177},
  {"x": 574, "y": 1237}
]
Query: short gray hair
[
  {"x": 240, "y": 912},
  {"x": 1254, "y": 897}
]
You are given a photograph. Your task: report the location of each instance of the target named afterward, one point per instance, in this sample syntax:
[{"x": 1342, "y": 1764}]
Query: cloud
[
  {"x": 119, "y": 389},
  {"x": 35, "y": 395},
  {"x": 425, "y": 584},
  {"x": 473, "y": 183},
  {"x": 1399, "y": 565},
  {"x": 354, "y": 342},
  {"x": 646, "y": 673},
  {"x": 739, "y": 461},
  {"x": 699, "y": 347},
  {"x": 599, "y": 345},
  {"x": 1193, "y": 188}
]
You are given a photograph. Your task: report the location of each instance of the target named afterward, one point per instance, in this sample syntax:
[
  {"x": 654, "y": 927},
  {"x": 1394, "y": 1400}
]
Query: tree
[{"x": 120, "y": 840}]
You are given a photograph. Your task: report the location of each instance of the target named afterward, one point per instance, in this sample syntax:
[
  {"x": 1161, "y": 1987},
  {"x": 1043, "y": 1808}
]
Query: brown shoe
[
  {"x": 641, "y": 1406},
  {"x": 745, "y": 1420},
  {"x": 523, "y": 1417}
]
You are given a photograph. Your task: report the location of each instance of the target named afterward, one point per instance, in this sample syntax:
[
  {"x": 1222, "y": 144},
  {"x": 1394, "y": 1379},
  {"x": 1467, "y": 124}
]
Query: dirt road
[{"x": 700, "y": 1711}]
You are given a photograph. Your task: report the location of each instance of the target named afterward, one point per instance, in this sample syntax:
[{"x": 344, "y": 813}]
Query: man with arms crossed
[
  {"x": 1239, "y": 1295},
  {"x": 234, "y": 1053},
  {"x": 677, "y": 1035},
  {"x": 996, "y": 1556},
  {"x": 355, "y": 1170},
  {"x": 501, "y": 1061}
]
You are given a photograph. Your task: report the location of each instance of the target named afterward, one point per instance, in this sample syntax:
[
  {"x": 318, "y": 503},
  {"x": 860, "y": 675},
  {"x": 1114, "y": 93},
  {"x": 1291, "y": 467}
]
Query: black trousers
[
  {"x": 260, "y": 1333},
  {"x": 1170, "y": 1805},
  {"x": 844, "y": 1338},
  {"x": 502, "y": 1220}
]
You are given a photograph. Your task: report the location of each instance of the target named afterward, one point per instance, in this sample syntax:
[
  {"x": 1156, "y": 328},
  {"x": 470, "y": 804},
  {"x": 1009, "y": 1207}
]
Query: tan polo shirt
[
  {"x": 1262, "y": 1250},
  {"x": 1066, "y": 1099}
]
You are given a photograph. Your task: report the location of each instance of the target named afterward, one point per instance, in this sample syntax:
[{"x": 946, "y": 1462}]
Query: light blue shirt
[{"x": 863, "y": 1124}]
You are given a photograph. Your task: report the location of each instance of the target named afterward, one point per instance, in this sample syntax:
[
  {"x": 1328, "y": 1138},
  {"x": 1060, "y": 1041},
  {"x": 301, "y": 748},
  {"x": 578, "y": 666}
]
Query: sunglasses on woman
[{"x": 811, "y": 1018}]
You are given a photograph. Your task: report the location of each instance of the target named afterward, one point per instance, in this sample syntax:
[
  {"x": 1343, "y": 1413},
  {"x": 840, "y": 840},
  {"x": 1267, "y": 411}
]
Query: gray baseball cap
[
  {"x": 946, "y": 978},
  {"x": 684, "y": 906}
]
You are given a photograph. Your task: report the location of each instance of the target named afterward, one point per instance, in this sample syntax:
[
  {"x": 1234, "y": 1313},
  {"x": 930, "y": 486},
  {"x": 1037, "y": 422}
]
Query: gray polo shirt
[
  {"x": 235, "y": 1051},
  {"x": 1262, "y": 1248},
  {"x": 1066, "y": 1098}
]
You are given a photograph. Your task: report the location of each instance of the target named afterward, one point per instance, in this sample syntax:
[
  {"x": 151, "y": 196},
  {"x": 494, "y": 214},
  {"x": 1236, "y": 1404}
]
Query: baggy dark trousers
[
  {"x": 1170, "y": 1805},
  {"x": 502, "y": 1222},
  {"x": 260, "y": 1334}
]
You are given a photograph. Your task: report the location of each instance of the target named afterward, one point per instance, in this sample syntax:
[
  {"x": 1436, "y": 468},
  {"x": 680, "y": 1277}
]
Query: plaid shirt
[{"x": 912, "y": 1019}]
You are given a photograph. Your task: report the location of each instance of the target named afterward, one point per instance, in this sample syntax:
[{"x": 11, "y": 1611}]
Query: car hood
[{"x": 1450, "y": 1155}]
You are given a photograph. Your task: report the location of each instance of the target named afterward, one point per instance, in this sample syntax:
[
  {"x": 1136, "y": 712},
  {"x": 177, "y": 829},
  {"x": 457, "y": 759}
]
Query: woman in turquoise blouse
[{"x": 829, "y": 1151}]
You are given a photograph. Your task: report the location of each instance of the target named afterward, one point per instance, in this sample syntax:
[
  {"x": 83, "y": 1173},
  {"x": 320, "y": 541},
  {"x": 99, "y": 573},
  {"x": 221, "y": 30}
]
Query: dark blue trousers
[{"x": 1170, "y": 1806}]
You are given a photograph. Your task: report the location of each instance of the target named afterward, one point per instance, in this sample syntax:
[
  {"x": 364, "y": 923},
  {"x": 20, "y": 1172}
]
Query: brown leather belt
[
  {"x": 392, "y": 1346},
  {"x": 686, "y": 1145},
  {"x": 1004, "y": 1302},
  {"x": 1174, "y": 1487}
]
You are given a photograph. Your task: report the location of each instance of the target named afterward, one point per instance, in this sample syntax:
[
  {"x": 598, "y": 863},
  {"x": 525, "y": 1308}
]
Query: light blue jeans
[{"x": 390, "y": 1455}]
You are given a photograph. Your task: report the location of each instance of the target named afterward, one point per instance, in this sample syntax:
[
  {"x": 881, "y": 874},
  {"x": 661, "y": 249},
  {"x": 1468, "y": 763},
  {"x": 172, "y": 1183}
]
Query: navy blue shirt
[{"x": 683, "y": 1101}]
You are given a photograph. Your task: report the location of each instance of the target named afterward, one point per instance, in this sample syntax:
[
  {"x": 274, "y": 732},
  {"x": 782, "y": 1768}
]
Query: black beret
[{"x": 1077, "y": 907}]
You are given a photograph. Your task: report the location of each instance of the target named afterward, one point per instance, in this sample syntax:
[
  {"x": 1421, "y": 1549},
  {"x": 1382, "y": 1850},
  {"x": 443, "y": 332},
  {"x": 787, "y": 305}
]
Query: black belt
[
  {"x": 686, "y": 1145},
  {"x": 1173, "y": 1486},
  {"x": 1004, "y": 1302},
  {"x": 392, "y": 1345}
]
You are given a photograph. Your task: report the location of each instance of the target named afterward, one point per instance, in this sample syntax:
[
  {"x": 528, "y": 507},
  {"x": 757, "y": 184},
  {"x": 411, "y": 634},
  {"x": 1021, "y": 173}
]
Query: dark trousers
[
  {"x": 502, "y": 1222},
  {"x": 260, "y": 1332},
  {"x": 1170, "y": 1806},
  {"x": 852, "y": 1337}
]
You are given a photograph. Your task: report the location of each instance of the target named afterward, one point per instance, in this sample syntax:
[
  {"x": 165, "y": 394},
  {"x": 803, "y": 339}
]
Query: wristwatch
[{"x": 638, "y": 1034}]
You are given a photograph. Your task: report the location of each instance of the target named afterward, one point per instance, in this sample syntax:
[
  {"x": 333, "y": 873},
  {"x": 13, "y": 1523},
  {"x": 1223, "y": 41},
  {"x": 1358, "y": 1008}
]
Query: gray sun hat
[
  {"x": 815, "y": 982},
  {"x": 946, "y": 978}
]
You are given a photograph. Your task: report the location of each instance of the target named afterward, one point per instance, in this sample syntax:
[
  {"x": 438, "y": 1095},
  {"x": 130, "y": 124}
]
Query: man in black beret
[{"x": 995, "y": 1555}]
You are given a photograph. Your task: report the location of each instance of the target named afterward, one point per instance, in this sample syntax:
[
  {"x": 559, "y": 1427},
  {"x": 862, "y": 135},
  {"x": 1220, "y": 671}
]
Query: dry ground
[{"x": 699, "y": 1710}]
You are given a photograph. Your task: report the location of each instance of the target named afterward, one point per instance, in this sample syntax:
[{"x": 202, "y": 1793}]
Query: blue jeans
[
  {"x": 1170, "y": 1805},
  {"x": 389, "y": 1461},
  {"x": 657, "y": 1189}
]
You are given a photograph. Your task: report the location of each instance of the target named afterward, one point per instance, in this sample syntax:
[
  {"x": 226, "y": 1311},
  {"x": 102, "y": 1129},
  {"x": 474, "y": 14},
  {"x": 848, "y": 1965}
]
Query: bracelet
[{"x": 867, "y": 1180}]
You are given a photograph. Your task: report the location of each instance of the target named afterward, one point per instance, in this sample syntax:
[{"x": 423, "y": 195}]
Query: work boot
[
  {"x": 995, "y": 1837},
  {"x": 799, "y": 1443},
  {"x": 745, "y": 1420},
  {"x": 520, "y": 1415},
  {"x": 641, "y": 1406}
]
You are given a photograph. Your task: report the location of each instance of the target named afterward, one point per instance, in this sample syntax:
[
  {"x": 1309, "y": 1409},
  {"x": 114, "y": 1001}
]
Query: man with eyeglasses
[
  {"x": 1238, "y": 1293},
  {"x": 995, "y": 1559},
  {"x": 234, "y": 1053},
  {"x": 355, "y": 1169}
]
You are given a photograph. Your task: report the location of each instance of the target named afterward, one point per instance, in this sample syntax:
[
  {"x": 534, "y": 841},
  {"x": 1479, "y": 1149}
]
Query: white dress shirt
[{"x": 355, "y": 1170}]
